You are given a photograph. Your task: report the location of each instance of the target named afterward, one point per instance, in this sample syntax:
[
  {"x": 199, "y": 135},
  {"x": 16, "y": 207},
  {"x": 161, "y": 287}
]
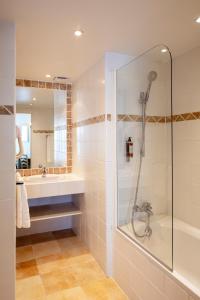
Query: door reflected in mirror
[{"x": 41, "y": 126}]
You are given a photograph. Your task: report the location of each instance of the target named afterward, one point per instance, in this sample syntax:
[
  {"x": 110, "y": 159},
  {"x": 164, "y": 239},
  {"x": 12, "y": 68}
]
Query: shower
[{"x": 145, "y": 207}]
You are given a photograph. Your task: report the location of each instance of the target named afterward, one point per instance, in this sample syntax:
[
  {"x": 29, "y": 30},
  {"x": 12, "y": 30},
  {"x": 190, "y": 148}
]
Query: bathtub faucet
[
  {"x": 144, "y": 207},
  {"x": 44, "y": 172}
]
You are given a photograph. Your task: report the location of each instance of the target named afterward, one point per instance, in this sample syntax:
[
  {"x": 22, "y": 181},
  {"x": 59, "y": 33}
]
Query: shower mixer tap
[{"x": 144, "y": 207}]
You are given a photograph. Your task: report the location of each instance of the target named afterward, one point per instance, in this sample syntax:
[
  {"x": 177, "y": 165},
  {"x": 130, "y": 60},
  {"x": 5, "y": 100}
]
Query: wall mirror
[{"x": 41, "y": 125}]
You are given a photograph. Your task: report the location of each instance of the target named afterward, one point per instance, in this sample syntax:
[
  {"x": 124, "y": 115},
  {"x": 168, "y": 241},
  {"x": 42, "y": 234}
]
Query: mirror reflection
[{"x": 40, "y": 127}]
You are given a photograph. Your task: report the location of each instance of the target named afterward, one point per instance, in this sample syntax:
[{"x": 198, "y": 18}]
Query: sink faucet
[{"x": 44, "y": 172}]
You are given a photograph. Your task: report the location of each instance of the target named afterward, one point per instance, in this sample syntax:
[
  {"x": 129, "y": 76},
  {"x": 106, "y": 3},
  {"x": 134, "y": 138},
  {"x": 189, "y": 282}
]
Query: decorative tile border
[
  {"x": 38, "y": 171},
  {"x": 93, "y": 120},
  {"x": 109, "y": 117},
  {"x": 6, "y": 109},
  {"x": 69, "y": 128},
  {"x": 43, "y": 84},
  {"x": 160, "y": 119},
  {"x": 42, "y": 131},
  {"x": 187, "y": 116},
  {"x": 138, "y": 118}
]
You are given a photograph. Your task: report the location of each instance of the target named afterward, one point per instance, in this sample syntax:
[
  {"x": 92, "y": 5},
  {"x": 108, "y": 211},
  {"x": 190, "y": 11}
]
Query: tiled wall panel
[
  {"x": 89, "y": 156},
  {"x": 7, "y": 161}
]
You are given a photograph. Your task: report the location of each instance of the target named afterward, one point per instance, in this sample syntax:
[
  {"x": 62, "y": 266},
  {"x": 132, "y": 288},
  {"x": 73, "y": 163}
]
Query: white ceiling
[{"x": 46, "y": 44}]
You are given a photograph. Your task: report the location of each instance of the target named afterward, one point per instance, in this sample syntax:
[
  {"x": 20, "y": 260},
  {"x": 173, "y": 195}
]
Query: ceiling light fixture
[
  {"x": 48, "y": 76},
  {"x": 34, "y": 99},
  {"x": 164, "y": 50},
  {"x": 78, "y": 33},
  {"x": 31, "y": 104},
  {"x": 197, "y": 20}
]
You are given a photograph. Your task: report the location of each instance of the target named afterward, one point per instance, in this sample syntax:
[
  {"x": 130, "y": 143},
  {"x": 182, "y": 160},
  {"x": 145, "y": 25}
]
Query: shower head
[
  {"x": 152, "y": 76},
  {"x": 144, "y": 97}
]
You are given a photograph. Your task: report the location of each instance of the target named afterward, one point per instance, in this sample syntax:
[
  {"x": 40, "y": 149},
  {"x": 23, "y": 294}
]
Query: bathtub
[{"x": 186, "y": 247}]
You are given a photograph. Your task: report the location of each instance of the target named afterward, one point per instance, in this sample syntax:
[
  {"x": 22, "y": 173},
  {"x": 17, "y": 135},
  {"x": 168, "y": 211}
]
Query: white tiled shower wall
[
  {"x": 187, "y": 138},
  {"x": 131, "y": 81},
  {"x": 7, "y": 162}
]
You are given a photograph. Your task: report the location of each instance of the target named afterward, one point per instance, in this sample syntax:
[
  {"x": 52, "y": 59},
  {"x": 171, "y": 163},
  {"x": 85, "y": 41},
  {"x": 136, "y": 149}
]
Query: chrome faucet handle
[
  {"x": 44, "y": 171},
  {"x": 146, "y": 207}
]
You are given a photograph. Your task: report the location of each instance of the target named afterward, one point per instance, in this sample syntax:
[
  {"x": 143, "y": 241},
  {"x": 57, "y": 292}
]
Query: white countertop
[{"x": 53, "y": 185}]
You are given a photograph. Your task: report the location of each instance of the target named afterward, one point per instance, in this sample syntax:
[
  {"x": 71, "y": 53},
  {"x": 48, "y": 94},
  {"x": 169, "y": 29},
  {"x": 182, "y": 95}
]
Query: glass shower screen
[{"x": 144, "y": 152}]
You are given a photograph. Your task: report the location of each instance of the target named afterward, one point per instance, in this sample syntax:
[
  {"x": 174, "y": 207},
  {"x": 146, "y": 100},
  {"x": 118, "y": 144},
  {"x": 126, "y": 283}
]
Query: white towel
[{"x": 22, "y": 208}]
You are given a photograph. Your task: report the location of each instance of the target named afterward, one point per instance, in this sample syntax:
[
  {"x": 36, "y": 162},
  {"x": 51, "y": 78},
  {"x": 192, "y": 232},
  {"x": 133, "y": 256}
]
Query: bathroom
[{"x": 99, "y": 129}]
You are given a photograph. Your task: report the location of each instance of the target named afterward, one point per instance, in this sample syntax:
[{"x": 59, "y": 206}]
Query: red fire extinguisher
[{"x": 129, "y": 148}]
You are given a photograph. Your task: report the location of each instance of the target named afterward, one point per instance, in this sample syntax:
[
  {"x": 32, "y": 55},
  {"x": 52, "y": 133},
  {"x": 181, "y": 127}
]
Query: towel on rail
[{"x": 22, "y": 207}]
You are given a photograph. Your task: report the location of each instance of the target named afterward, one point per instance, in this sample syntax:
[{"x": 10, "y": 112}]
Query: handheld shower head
[{"x": 152, "y": 76}]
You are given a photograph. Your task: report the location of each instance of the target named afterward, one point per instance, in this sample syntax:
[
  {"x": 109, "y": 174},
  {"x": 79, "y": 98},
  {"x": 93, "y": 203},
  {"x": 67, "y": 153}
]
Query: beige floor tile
[
  {"x": 58, "y": 280},
  {"x": 72, "y": 246},
  {"x": 85, "y": 272},
  {"x": 26, "y": 269},
  {"x": 67, "y": 271},
  {"x": 76, "y": 293},
  {"x": 30, "y": 289},
  {"x": 50, "y": 263},
  {"x": 70, "y": 261},
  {"x": 105, "y": 289},
  {"x": 45, "y": 249},
  {"x": 24, "y": 254}
]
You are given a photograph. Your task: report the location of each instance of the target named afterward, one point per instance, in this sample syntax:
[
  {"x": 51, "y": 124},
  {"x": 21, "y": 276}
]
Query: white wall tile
[
  {"x": 7, "y": 166},
  {"x": 7, "y": 254},
  {"x": 173, "y": 291}
]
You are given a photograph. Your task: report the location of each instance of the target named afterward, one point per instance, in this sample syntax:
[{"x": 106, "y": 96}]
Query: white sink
[
  {"x": 53, "y": 185},
  {"x": 41, "y": 179}
]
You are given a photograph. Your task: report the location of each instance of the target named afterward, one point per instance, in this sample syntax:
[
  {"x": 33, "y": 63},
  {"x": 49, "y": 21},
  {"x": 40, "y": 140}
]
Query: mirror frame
[{"x": 58, "y": 86}]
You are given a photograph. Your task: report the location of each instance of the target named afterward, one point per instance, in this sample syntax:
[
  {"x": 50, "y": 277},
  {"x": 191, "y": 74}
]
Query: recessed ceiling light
[
  {"x": 78, "y": 33},
  {"x": 164, "y": 50},
  {"x": 197, "y": 20},
  {"x": 48, "y": 76},
  {"x": 34, "y": 99}
]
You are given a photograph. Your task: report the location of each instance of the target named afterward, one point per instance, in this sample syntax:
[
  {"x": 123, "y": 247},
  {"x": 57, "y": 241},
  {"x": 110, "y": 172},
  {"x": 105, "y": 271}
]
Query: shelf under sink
[{"x": 52, "y": 211}]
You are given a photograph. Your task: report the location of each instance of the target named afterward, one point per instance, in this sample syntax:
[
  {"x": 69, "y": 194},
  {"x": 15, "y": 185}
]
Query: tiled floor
[{"x": 57, "y": 266}]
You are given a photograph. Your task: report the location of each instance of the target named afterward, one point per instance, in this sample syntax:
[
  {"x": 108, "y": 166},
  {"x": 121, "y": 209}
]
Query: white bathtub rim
[
  {"x": 190, "y": 289},
  {"x": 181, "y": 226}
]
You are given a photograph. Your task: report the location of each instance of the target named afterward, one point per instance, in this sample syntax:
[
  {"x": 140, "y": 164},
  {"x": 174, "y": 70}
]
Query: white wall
[
  {"x": 7, "y": 162},
  {"x": 187, "y": 138},
  {"x": 89, "y": 157}
]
